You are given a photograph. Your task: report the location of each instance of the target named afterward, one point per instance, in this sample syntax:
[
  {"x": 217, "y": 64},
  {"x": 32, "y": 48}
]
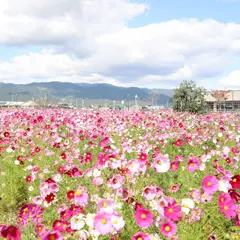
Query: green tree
[{"x": 188, "y": 97}]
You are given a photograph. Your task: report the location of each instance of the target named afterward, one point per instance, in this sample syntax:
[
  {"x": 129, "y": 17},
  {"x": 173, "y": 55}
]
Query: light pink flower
[
  {"x": 81, "y": 196},
  {"x": 103, "y": 224}
]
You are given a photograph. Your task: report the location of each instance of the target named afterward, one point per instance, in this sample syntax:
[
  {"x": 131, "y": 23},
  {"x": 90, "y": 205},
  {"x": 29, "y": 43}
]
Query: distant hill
[{"x": 57, "y": 91}]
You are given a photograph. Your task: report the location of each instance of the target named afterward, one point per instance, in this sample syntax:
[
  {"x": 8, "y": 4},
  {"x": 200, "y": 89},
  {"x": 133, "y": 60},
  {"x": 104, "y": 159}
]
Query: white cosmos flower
[
  {"x": 163, "y": 167},
  {"x": 96, "y": 172},
  {"x": 220, "y": 134},
  {"x": 90, "y": 219},
  {"x": 83, "y": 234},
  {"x": 117, "y": 222},
  {"x": 94, "y": 234},
  {"x": 224, "y": 185},
  {"x": 57, "y": 178},
  {"x": 9, "y": 150},
  {"x": 30, "y": 188},
  {"x": 187, "y": 204},
  {"x": 154, "y": 237},
  {"x": 154, "y": 205},
  {"x": 77, "y": 222},
  {"x": 202, "y": 167}
]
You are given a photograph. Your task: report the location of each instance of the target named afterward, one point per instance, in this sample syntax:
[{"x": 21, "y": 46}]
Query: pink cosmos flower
[
  {"x": 11, "y": 232},
  {"x": 81, "y": 196},
  {"x": 149, "y": 193},
  {"x": 103, "y": 224},
  {"x": 206, "y": 197},
  {"x": 168, "y": 229},
  {"x": 97, "y": 181},
  {"x": 116, "y": 181},
  {"x": 106, "y": 205},
  {"x": 193, "y": 165},
  {"x": 223, "y": 197},
  {"x": 143, "y": 157},
  {"x": 210, "y": 184},
  {"x": 174, "y": 188},
  {"x": 173, "y": 212},
  {"x": 174, "y": 166},
  {"x": 143, "y": 217},
  {"x": 141, "y": 236},
  {"x": 52, "y": 235},
  {"x": 102, "y": 159},
  {"x": 178, "y": 143},
  {"x": 228, "y": 209},
  {"x": 161, "y": 163}
]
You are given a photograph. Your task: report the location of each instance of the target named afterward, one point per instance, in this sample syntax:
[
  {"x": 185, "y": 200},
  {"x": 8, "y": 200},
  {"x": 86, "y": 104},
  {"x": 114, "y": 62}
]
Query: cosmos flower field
[{"x": 119, "y": 175}]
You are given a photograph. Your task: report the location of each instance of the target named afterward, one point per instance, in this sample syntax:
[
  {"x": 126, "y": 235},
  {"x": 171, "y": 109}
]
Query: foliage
[{"x": 189, "y": 98}]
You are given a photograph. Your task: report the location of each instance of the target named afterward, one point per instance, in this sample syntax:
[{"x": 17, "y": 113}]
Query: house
[
  {"x": 29, "y": 104},
  {"x": 232, "y": 102}
]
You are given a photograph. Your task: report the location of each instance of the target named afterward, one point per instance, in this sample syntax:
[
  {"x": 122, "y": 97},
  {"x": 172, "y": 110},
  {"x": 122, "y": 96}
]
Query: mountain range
[{"x": 65, "y": 91}]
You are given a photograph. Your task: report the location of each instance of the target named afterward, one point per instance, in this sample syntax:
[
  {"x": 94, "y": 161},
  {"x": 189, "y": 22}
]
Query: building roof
[{"x": 234, "y": 95}]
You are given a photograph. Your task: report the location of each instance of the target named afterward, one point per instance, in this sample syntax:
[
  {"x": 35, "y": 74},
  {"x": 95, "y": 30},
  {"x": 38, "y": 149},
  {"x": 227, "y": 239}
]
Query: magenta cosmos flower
[
  {"x": 173, "y": 212},
  {"x": 143, "y": 217},
  {"x": 210, "y": 184},
  {"x": 141, "y": 236},
  {"x": 193, "y": 165},
  {"x": 228, "y": 208},
  {"x": 52, "y": 236},
  {"x": 168, "y": 229},
  {"x": 103, "y": 224}
]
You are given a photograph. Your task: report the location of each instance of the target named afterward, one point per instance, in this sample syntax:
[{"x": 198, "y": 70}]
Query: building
[{"x": 232, "y": 102}]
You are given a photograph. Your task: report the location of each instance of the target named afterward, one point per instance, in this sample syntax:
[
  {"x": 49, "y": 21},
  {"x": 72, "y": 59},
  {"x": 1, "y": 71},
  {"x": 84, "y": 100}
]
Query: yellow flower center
[
  {"x": 225, "y": 208},
  {"x": 234, "y": 180},
  {"x": 185, "y": 205},
  {"x": 170, "y": 210},
  {"x": 139, "y": 238},
  {"x": 143, "y": 216},
  {"x": 58, "y": 224},
  {"x": 78, "y": 192},
  {"x": 105, "y": 205},
  {"x": 167, "y": 229},
  {"x": 104, "y": 221},
  {"x": 209, "y": 184}
]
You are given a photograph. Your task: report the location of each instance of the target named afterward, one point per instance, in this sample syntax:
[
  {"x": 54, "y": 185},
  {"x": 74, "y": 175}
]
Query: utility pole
[
  {"x": 17, "y": 99},
  {"x": 46, "y": 100},
  {"x": 33, "y": 100},
  {"x": 82, "y": 103}
]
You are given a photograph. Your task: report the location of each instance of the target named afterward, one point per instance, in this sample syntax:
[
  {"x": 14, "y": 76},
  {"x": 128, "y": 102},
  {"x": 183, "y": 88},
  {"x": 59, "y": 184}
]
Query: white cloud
[
  {"x": 89, "y": 41},
  {"x": 232, "y": 79}
]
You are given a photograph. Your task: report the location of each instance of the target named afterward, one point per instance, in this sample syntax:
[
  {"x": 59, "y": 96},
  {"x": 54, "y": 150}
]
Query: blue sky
[
  {"x": 162, "y": 10},
  {"x": 148, "y": 43}
]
